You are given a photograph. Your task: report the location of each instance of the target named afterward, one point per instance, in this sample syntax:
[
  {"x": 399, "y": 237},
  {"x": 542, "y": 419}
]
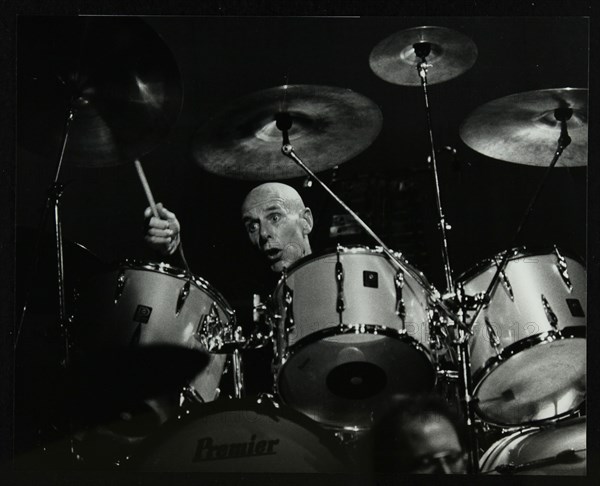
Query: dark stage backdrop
[
  {"x": 389, "y": 184},
  {"x": 221, "y": 59}
]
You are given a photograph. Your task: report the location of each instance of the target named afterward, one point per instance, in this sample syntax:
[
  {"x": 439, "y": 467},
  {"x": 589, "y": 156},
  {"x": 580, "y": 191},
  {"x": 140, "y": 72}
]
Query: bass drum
[
  {"x": 528, "y": 348},
  {"x": 556, "y": 450},
  {"x": 248, "y": 436},
  {"x": 352, "y": 330}
]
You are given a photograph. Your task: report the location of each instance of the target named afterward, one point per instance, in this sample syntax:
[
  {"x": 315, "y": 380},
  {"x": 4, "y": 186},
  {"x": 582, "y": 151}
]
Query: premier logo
[{"x": 207, "y": 450}]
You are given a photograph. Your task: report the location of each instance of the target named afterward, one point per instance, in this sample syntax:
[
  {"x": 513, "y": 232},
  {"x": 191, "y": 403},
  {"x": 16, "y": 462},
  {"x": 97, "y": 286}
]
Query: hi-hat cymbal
[
  {"x": 329, "y": 126},
  {"x": 522, "y": 128},
  {"x": 116, "y": 72},
  {"x": 451, "y": 53}
]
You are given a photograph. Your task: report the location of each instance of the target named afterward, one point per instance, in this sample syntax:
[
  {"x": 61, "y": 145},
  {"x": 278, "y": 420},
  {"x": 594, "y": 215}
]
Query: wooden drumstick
[
  {"x": 150, "y": 197},
  {"x": 146, "y": 186}
]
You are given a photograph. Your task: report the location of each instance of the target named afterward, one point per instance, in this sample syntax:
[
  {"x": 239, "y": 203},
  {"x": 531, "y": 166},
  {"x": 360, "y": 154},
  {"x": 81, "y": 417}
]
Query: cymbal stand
[
  {"x": 284, "y": 123},
  {"x": 422, "y": 50},
  {"x": 562, "y": 115},
  {"x": 460, "y": 336},
  {"x": 53, "y": 199}
]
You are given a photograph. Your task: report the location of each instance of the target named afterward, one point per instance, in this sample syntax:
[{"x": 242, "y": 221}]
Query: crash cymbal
[
  {"x": 116, "y": 72},
  {"x": 522, "y": 128},
  {"x": 329, "y": 126},
  {"x": 451, "y": 53}
]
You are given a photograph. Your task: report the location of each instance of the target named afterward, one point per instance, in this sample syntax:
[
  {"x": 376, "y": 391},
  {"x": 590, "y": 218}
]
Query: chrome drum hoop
[
  {"x": 525, "y": 446},
  {"x": 176, "y": 272},
  {"x": 523, "y": 344},
  {"x": 346, "y": 329}
]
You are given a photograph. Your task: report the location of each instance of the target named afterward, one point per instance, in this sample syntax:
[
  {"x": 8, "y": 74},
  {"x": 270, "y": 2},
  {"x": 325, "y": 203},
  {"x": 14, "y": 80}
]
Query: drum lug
[
  {"x": 288, "y": 297},
  {"x": 550, "y": 315},
  {"x": 561, "y": 266},
  {"x": 494, "y": 340},
  {"x": 258, "y": 309},
  {"x": 339, "y": 278},
  {"x": 183, "y": 295},
  {"x": 121, "y": 281},
  {"x": 208, "y": 332},
  {"x": 191, "y": 394},
  {"x": 400, "y": 307}
]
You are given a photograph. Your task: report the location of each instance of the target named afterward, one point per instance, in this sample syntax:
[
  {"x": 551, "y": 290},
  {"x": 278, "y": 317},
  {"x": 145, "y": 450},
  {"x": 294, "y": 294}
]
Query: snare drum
[
  {"x": 557, "y": 450},
  {"x": 245, "y": 436},
  {"x": 151, "y": 304},
  {"x": 528, "y": 349},
  {"x": 352, "y": 329}
]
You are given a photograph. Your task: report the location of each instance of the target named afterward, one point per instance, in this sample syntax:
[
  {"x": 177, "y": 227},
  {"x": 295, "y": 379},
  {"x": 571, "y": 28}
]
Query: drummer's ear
[{"x": 307, "y": 220}]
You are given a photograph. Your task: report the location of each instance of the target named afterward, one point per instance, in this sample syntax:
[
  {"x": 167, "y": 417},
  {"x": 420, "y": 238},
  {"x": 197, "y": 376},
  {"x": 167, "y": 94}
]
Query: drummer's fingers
[
  {"x": 158, "y": 223},
  {"x": 160, "y": 232},
  {"x": 164, "y": 212},
  {"x": 158, "y": 240},
  {"x": 161, "y": 211}
]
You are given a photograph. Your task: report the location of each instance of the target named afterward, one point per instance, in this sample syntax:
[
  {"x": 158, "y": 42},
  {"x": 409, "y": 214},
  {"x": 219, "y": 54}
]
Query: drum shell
[
  {"x": 533, "y": 444},
  {"x": 315, "y": 293},
  {"x": 242, "y": 436},
  {"x": 530, "y": 276},
  {"x": 522, "y": 325},
  {"x": 137, "y": 305},
  {"x": 339, "y": 368}
]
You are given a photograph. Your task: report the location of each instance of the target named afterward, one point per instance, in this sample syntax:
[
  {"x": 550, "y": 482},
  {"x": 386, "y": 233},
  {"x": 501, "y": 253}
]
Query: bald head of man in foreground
[{"x": 278, "y": 223}]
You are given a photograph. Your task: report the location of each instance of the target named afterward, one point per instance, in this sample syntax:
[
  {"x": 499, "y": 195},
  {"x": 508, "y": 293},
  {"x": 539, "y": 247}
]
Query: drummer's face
[{"x": 278, "y": 229}]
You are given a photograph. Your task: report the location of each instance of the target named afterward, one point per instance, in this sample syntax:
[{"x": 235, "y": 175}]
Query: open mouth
[{"x": 273, "y": 254}]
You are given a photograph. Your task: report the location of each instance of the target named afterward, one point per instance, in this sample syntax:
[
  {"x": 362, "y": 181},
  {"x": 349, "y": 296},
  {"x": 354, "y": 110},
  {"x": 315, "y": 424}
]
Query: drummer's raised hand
[{"x": 162, "y": 233}]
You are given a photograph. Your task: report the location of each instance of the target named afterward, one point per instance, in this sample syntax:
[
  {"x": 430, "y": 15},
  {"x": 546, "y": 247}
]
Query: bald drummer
[{"x": 274, "y": 215}]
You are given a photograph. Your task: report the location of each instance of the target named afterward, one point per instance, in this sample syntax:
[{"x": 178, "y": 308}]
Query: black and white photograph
[{"x": 301, "y": 244}]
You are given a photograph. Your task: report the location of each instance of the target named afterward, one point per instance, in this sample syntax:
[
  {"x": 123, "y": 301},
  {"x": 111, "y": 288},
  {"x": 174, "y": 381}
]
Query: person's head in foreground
[{"x": 418, "y": 435}]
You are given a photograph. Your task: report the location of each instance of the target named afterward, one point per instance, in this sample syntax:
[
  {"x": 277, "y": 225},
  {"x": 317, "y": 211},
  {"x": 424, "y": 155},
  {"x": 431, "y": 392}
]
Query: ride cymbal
[
  {"x": 522, "y": 128},
  {"x": 450, "y": 54},
  {"x": 330, "y": 125}
]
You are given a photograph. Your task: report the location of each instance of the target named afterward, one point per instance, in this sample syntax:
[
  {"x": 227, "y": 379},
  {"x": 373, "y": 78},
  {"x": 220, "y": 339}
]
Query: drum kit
[{"x": 349, "y": 328}]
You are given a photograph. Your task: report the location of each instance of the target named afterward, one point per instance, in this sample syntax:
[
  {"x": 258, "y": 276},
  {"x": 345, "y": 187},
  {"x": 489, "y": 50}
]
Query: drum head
[
  {"x": 342, "y": 380},
  {"x": 538, "y": 449},
  {"x": 242, "y": 437},
  {"x": 541, "y": 382}
]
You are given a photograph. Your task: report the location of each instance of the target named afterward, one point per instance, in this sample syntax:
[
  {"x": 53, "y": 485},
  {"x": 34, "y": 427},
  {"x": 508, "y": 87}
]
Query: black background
[
  {"x": 221, "y": 59},
  {"x": 112, "y": 229}
]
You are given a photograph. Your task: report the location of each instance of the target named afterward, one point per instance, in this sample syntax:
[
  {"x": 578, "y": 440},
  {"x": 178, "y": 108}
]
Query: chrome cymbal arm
[
  {"x": 422, "y": 50},
  {"x": 562, "y": 115},
  {"x": 432, "y": 293}
]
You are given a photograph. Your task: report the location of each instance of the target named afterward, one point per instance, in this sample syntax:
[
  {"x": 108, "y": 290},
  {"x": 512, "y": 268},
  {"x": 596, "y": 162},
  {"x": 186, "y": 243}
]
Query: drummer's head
[
  {"x": 418, "y": 435},
  {"x": 278, "y": 223}
]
